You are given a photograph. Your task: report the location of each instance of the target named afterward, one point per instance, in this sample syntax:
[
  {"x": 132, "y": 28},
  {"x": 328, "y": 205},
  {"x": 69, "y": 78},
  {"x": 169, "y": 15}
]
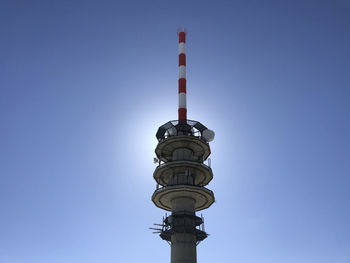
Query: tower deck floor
[{"x": 203, "y": 197}]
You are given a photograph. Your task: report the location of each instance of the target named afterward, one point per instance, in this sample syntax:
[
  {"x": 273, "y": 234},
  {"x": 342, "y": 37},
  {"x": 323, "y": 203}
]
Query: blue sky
[{"x": 86, "y": 84}]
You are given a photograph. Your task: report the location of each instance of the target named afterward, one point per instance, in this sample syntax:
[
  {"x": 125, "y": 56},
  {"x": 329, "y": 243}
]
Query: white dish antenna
[{"x": 208, "y": 135}]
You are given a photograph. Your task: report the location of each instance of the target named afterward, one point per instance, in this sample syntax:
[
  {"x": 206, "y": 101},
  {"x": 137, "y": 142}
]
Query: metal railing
[
  {"x": 161, "y": 163},
  {"x": 196, "y": 134},
  {"x": 160, "y": 187},
  {"x": 174, "y": 128}
]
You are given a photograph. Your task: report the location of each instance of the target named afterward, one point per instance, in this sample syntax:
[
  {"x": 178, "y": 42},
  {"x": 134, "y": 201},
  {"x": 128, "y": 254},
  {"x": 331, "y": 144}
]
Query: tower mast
[{"x": 182, "y": 111}]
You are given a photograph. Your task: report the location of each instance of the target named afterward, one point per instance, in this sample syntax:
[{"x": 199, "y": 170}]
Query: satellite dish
[{"x": 208, "y": 135}]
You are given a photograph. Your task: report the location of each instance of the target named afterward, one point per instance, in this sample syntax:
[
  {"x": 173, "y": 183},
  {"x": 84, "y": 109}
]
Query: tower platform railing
[
  {"x": 176, "y": 128},
  {"x": 162, "y": 163}
]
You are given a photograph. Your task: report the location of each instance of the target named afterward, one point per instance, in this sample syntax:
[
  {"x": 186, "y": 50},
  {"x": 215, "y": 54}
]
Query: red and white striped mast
[{"x": 182, "y": 111}]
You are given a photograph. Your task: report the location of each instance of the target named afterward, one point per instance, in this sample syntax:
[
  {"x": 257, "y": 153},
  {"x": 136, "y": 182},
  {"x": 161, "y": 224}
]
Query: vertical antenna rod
[{"x": 182, "y": 78}]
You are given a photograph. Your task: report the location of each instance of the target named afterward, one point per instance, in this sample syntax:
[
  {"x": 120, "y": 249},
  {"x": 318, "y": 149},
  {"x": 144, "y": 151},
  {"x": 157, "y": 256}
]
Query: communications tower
[{"x": 181, "y": 176}]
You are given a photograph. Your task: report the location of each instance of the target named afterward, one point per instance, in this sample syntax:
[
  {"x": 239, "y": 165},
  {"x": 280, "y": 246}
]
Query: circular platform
[
  {"x": 203, "y": 197},
  {"x": 202, "y": 173},
  {"x": 199, "y": 147}
]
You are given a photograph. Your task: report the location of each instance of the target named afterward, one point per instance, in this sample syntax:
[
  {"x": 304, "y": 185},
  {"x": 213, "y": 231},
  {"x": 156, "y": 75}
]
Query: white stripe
[
  {"x": 182, "y": 48},
  {"x": 182, "y": 100},
  {"x": 182, "y": 72}
]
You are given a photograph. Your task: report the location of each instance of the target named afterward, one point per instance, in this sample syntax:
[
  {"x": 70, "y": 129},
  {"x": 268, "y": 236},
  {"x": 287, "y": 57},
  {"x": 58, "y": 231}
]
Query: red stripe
[
  {"x": 182, "y": 85},
  {"x": 182, "y": 114},
  {"x": 182, "y": 59},
  {"x": 182, "y": 37}
]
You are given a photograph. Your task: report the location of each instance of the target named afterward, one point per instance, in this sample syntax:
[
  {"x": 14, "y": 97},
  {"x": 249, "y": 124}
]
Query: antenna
[{"x": 182, "y": 111}]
